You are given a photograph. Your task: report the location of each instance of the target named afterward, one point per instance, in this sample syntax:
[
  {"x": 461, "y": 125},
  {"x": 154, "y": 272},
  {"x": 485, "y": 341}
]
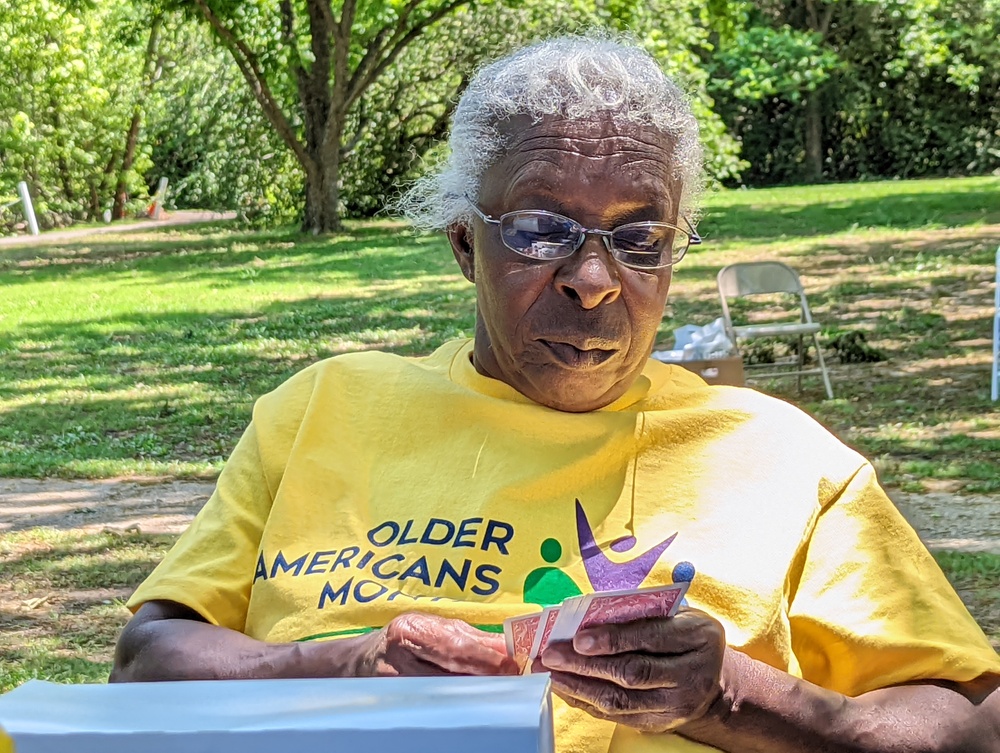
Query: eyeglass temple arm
[
  {"x": 695, "y": 239},
  {"x": 479, "y": 212}
]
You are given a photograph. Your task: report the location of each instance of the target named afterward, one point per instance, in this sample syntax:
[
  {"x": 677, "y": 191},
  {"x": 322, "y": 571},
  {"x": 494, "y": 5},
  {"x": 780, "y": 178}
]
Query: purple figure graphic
[{"x": 606, "y": 575}]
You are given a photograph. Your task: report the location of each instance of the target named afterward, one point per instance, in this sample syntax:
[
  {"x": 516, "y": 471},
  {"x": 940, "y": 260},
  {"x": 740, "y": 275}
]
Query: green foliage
[
  {"x": 208, "y": 136},
  {"x": 894, "y": 89},
  {"x": 864, "y": 88},
  {"x": 939, "y": 77},
  {"x": 853, "y": 347},
  {"x": 407, "y": 111},
  {"x": 69, "y": 81},
  {"x": 762, "y": 62},
  {"x": 970, "y": 566},
  {"x": 676, "y": 33}
]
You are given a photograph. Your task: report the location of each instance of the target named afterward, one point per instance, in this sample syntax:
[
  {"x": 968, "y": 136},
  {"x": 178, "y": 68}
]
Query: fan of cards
[{"x": 527, "y": 635}]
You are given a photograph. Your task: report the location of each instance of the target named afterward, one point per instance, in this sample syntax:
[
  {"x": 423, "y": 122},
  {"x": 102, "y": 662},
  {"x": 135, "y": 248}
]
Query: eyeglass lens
[{"x": 544, "y": 235}]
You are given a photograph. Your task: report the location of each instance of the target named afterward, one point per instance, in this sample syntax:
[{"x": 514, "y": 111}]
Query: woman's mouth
[{"x": 577, "y": 357}]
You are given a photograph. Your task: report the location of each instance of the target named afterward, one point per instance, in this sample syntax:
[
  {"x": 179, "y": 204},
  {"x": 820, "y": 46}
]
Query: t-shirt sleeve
[
  {"x": 211, "y": 567},
  {"x": 868, "y": 605}
]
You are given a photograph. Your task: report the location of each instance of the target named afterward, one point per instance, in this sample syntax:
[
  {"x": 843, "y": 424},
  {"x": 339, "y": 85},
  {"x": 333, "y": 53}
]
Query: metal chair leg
[
  {"x": 822, "y": 367},
  {"x": 802, "y": 361}
]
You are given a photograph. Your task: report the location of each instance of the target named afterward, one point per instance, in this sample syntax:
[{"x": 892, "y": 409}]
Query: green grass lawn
[{"x": 143, "y": 355}]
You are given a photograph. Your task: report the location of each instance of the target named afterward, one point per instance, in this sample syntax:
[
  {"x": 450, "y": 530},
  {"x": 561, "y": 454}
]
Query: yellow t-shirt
[{"x": 369, "y": 485}]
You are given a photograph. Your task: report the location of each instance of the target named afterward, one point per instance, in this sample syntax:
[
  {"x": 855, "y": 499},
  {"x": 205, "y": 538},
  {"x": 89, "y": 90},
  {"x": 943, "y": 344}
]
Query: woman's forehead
[
  {"x": 599, "y": 136},
  {"x": 560, "y": 156}
]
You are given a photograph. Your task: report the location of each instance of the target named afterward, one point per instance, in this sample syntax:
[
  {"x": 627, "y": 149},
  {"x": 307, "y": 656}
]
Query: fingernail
[
  {"x": 554, "y": 661},
  {"x": 584, "y": 642}
]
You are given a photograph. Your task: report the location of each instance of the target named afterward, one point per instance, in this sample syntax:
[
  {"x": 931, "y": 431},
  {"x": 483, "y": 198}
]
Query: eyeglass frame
[{"x": 694, "y": 239}]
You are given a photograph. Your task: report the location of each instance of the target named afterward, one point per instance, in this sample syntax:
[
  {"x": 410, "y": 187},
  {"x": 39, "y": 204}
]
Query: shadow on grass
[
  {"x": 920, "y": 256},
  {"x": 81, "y": 561},
  {"x": 975, "y": 576},
  {"x": 180, "y": 385}
]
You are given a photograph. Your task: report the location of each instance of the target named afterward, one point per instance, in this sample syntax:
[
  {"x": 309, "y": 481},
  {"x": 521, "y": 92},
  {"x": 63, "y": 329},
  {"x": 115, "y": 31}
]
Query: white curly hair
[{"x": 571, "y": 77}]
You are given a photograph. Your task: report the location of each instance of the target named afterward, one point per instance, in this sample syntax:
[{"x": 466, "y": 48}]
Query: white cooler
[{"x": 407, "y": 714}]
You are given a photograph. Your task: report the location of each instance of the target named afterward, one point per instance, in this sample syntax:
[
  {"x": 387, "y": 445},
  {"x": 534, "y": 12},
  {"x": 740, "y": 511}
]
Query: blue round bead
[{"x": 683, "y": 572}]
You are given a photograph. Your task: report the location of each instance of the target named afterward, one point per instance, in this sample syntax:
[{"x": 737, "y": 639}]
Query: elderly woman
[{"x": 384, "y": 515}]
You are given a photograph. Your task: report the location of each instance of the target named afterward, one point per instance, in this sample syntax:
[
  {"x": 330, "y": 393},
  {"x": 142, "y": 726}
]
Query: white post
[
  {"x": 158, "y": 198},
  {"x": 995, "y": 390},
  {"x": 29, "y": 210}
]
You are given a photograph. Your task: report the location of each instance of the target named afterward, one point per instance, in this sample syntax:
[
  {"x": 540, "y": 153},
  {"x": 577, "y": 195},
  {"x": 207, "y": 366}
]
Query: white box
[{"x": 377, "y": 715}]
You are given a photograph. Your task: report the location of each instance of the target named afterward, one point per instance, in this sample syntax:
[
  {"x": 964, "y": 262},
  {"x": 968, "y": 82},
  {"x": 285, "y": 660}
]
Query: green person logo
[{"x": 547, "y": 586}]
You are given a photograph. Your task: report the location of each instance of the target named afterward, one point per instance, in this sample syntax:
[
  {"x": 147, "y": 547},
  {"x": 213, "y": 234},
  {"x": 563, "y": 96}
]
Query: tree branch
[
  {"x": 374, "y": 49},
  {"x": 347, "y": 149},
  {"x": 341, "y": 60},
  {"x": 328, "y": 20},
  {"x": 154, "y": 61},
  {"x": 362, "y": 76},
  {"x": 377, "y": 46},
  {"x": 824, "y": 24},
  {"x": 812, "y": 20},
  {"x": 347, "y": 17},
  {"x": 398, "y": 43},
  {"x": 290, "y": 40},
  {"x": 247, "y": 63},
  {"x": 430, "y": 111}
]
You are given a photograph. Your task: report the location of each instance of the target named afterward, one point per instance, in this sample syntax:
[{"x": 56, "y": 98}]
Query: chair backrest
[
  {"x": 748, "y": 278},
  {"x": 759, "y": 277}
]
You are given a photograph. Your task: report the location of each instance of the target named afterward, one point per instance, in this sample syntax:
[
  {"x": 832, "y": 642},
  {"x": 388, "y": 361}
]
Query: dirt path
[
  {"x": 171, "y": 219},
  {"x": 944, "y": 519},
  {"x": 151, "y": 506}
]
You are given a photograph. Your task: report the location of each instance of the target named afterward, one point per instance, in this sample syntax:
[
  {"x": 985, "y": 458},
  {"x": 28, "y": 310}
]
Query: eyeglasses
[{"x": 538, "y": 234}]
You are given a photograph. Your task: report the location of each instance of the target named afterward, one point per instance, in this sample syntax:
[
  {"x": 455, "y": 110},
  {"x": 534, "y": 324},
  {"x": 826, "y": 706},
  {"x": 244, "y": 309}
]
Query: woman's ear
[{"x": 461, "y": 241}]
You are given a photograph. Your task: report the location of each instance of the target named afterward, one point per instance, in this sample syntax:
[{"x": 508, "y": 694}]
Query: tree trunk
[
  {"x": 328, "y": 85},
  {"x": 323, "y": 190},
  {"x": 132, "y": 137},
  {"x": 121, "y": 184},
  {"x": 322, "y": 198},
  {"x": 65, "y": 173},
  {"x": 814, "y": 139},
  {"x": 819, "y": 24},
  {"x": 95, "y": 202}
]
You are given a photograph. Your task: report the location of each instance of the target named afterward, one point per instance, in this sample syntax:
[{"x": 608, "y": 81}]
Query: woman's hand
[
  {"x": 654, "y": 675},
  {"x": 169, "y": 641},
  {"x": 418, "y": 644}
]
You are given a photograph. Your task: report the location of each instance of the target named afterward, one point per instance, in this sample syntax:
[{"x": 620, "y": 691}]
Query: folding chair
[{"x": 768, "y": 277}]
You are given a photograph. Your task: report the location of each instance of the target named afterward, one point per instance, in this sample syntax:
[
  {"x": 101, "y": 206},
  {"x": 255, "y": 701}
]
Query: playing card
[
  {"x": 519, "y": 633},
  {"x": 545, "y": 625},
  {"x": 616, "y": 607},
  {"x": 567, "y": 621}
]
